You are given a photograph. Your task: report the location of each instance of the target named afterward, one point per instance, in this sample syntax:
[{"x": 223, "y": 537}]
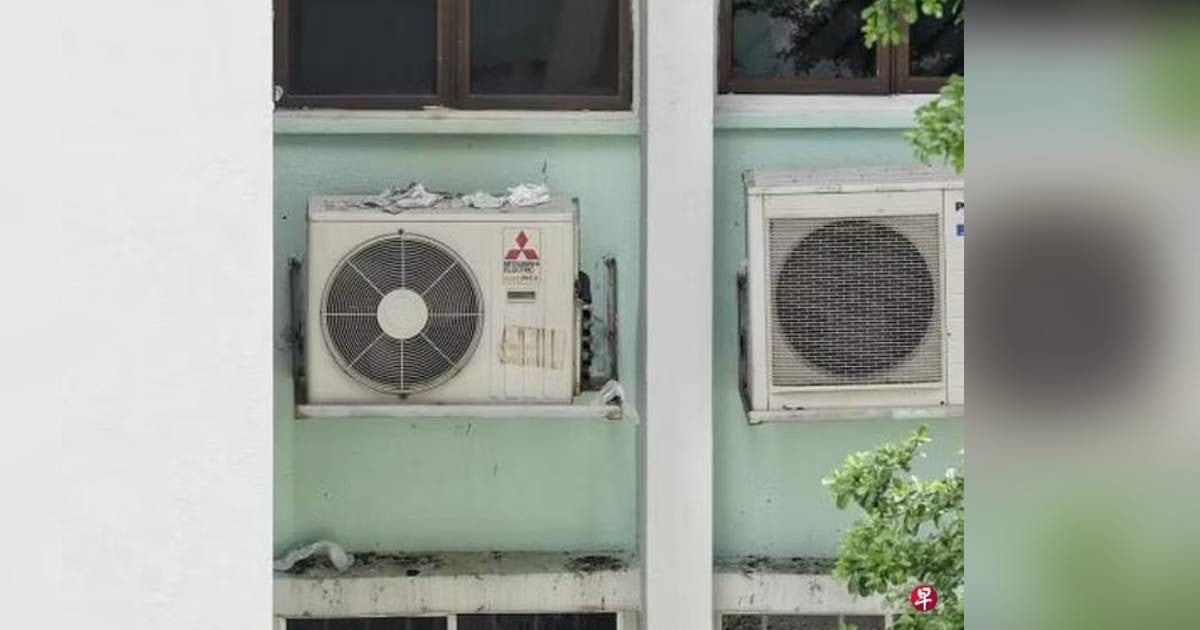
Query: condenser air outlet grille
[
  {"x": 402, "y": 314},
  {"x": 855, "y": 301}
]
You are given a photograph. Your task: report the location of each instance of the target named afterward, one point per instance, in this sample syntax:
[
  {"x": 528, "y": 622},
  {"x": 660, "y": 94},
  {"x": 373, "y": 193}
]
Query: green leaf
[
  {"x": 911, "y": 531},
  {"x": 939, "y": 134}
]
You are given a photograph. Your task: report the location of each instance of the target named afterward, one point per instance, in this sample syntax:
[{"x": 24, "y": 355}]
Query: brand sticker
[{"x": 522, "y": 257}]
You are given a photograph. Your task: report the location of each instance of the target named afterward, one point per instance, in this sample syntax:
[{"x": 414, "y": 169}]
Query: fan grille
[
  {"x": 855, "y": 301},
  {"x": 354, "y": 303}
]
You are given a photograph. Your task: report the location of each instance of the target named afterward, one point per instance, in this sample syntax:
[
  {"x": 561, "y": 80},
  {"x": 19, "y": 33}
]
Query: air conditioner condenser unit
[
  {"x": 854, "y": 289},
  {"x": 441, "y": 305}
]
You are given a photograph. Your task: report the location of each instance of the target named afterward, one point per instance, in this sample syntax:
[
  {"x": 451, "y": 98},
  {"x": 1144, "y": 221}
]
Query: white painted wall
[
  {"x": 675, "y": 457},
  {"x": 136, "y": 333}
]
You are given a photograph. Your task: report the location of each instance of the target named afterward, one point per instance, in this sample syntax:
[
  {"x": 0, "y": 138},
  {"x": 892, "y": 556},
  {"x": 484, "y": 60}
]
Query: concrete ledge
[
  {"x": 784, "y": 586},
  {"x": 421, "y": 584},
  {"x": 584, "y": 407},
  {"x": 450, "y": 121},
  {"x": 779, "y": 111},
  {"x": 532, "y": 582},
  {"x": 865, "y": 413}
]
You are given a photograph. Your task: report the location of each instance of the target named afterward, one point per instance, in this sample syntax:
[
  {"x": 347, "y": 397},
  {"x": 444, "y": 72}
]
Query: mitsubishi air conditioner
[
  {"x": 853, "y": 289},
  {"x": 441, "y": 305}
]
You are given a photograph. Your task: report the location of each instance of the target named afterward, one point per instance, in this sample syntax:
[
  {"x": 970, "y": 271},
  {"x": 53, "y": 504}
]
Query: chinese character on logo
[{"x": 924, "y": 598}]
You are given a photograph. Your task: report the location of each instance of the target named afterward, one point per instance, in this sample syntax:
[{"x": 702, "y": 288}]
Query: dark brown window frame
[
  {"x": 905, "y": 83},
  {"x": 453, "y": 72},
  {"x": 891, "y": 72}
]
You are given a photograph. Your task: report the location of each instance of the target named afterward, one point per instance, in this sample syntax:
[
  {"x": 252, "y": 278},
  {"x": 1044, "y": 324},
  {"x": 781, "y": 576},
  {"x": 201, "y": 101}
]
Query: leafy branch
[
  {"x": 912, "y": 532},
  {"x": 938, "y": 133}
]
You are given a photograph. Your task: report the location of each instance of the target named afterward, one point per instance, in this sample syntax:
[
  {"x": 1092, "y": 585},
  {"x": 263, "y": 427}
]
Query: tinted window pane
[
  {"x": 538, "y": 622},
  {"x": 364, "y": 47},
  {"x": 866, "y": 623},
  {"x": 496, "y": 622},
  {"x": 797, "y": 38},
  {"x": 370, "y": 623},
  {"x": 742, "y": 622},
  {"x": 936, "y": 47},
  {"x": 802, "y": 622},
  {"x": 544, "y": 47},
  {"x": 424, "y": 623}
]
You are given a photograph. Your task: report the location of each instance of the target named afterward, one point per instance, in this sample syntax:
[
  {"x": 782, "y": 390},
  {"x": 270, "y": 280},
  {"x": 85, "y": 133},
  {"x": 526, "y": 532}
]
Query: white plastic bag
[
  {"x": 338, "y": 557},
  {"x": 481, "y": 199},
  {"x": 399, "y": 199},
  {"x": 523, "y": 195}
]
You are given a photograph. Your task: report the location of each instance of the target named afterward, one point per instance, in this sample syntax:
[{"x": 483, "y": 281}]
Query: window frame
[
  {"x": 453, "y": 79},
  {"x": 905, "y": 83},
  {"x": 891, "y": 72}
]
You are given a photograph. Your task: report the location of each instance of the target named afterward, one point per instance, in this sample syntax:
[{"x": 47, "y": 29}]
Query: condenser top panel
[
  {"x": 886, "y": 179},
  {"x": 335, "y": 208}
]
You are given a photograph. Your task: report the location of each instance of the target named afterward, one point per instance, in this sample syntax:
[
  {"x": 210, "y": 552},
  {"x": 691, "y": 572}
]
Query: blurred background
[{"x": 1084, "y": 167}]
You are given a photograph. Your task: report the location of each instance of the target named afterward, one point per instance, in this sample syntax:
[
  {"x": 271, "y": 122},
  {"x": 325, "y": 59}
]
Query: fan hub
[{"x": 402, "y": 314}]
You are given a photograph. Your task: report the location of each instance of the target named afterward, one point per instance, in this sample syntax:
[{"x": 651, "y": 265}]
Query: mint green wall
[
  {"x": 547, "y": 485},
  {"x": 466, "y": 484},
  {"x": 768, "y": 494}
]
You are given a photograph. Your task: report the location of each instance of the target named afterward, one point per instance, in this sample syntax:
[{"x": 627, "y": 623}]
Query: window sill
[
  {"x": 586, "y": 406},
  {"x": 761, "y": 585},
  {"x": 464, "y": 582},
  {"x": 784, "y": 111},
  {"x": 451, "y": 121}
]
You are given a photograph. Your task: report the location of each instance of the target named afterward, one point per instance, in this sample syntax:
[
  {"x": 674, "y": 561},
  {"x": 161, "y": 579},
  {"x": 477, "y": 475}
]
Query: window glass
[
  {"x": 742, "y": 622},
  {"x": 801, "y": 622},
  {"x": 936, "y": 46},
  {"x": 381, "y": 47},
  {"x": 800, "y": 39},
  {"x": 538, "y": 622},
  {"x": 865, "y": 623},
  {"x": 370, "y": 623},
  {"x": 544, "y": 47}
]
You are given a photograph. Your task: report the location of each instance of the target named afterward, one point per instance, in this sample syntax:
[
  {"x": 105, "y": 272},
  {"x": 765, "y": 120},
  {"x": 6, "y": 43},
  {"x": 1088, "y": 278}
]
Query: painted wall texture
[
  {"x": 547, "y": 485},
  {"x": 469, "y": 484},
  {"x": 768, "y": 495}
]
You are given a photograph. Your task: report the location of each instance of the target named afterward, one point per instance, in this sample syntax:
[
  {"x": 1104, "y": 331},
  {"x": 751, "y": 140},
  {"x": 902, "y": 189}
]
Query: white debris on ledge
[
  {"x": 612, "y": 393},
  {"x": 400, "y": 199},
  {"x": 338, "y": 557},
  {"x": 386, "y": 584},
  {"x": 481, "y": 199},
  {"x": 524, "y": 195},
  {"x": 416, "y": 196}
]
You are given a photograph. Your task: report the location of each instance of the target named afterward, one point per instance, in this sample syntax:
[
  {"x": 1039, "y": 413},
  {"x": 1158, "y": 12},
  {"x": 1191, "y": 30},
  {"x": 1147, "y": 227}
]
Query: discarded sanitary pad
[
  {"x": 397, "y": 200},
  {"x": 337, "y": 556},
  {"x": 528, "y": 194},
  {"x": 480, "y": 199}
]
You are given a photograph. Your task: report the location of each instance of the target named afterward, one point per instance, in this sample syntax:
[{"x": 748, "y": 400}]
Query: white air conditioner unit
[
  {"x": 445, "y": 305},
  {"x": 854, "y": 289}
]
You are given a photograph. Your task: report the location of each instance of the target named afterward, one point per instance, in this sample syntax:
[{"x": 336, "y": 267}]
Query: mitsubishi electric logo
[
  {"x": 521, "y": 250},
  {"x": 522, "y": 264}
]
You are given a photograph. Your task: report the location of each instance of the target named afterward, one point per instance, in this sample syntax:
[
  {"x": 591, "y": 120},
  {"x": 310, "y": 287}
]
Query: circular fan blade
[{"x": 402, "y": 314}]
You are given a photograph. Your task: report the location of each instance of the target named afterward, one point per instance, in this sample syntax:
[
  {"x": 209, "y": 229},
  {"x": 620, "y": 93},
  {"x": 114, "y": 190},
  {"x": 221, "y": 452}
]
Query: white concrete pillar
[
  {"x": 136, "y": 339},
  {"x": 677, "y": 84}
]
